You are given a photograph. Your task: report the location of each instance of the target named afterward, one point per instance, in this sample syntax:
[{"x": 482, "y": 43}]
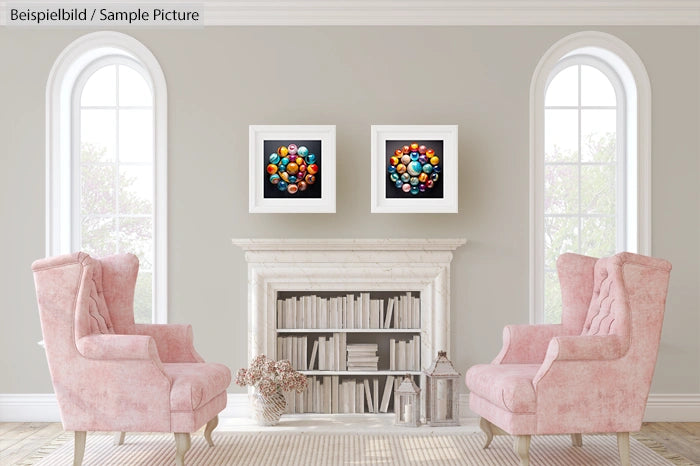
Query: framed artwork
[
  {"x": 414, "y": 168},
  {"x": 292, "y": 169}
]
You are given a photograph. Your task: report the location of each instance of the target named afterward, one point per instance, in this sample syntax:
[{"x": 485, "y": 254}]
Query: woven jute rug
[{"x": 321, "y": 449}]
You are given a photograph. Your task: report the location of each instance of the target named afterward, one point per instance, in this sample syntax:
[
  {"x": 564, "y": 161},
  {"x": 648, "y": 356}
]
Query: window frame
[
  {"x": 619, "y": 60},
  {"x": 64, "y": 86}
]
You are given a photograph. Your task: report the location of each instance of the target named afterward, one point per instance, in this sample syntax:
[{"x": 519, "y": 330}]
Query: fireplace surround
[{"x": 349, "y": 265}]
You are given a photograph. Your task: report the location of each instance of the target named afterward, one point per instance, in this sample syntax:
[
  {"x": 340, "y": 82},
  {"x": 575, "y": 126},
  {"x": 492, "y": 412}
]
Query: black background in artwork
[
  {"x": 392, "y": 191},
  {"x": 313, "y": 191}
]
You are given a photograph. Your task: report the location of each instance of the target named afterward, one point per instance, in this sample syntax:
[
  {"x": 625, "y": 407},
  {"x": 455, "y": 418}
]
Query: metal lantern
[
  {"x": 407, "y": 403},
  {"x": 443, "y": 394}
]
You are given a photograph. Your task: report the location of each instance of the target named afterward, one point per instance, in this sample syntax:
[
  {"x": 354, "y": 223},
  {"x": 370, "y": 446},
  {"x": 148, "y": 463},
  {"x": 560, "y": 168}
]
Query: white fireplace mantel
[{"x": 349, "y": 265}]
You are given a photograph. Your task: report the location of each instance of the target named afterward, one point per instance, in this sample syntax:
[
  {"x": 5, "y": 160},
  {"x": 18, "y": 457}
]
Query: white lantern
[
  {"x": 443, "y": 395},
  {"x": 407, "y": 403}
]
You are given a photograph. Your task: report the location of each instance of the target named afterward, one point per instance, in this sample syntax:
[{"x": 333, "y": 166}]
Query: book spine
[
  {"x": 388, "y": 390},
  {"x": 392, "y": 354},
  {"x": 381, "y": 313},
  {"x": 280, "y": 314},
  {"x": 304, "y": 353},
  {"x": 375, "y": 386},
  {"x": 344, "y": 312},
  {"x": 416, "y": 353},
  {"x": 334, "y": 394},
  {"x": 344, "y": 352},
  {"x": 389, "y": 313},
  {"x": 322, "y": 354},
  {"x": 365, "y": 311},
  {"x": 409, "y": 312},
  {"x": 368, "y": 396},
  {"x": 351, "y": 311},
  {"x": 327, "y": 394}
]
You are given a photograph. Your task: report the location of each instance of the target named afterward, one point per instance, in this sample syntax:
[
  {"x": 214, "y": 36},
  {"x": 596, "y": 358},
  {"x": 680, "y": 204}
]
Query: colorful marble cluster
[
  {"x": 292, "y": 168},
  {"x": 414, "y": 168}
]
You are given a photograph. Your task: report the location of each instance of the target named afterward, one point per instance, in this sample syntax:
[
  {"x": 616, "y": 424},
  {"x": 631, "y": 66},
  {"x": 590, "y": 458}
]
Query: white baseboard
[
  {"x": 673, "y": 407},
  {"x": 237, "y": 405},
  {"x": 29, "y": 407},
  {"x": 42, "y": 407}
]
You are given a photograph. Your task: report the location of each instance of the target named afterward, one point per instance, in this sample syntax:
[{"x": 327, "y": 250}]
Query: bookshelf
[
  {"x": 344, "y": 266},
  {"x": 354, "y": 347}
]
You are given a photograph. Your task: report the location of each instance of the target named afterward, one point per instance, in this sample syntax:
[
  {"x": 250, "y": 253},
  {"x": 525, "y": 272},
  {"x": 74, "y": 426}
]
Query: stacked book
[
  {"x": 362, "y": 357},
  {"x": 333, "y": 394},
  {"x": 350, "y": 311}
]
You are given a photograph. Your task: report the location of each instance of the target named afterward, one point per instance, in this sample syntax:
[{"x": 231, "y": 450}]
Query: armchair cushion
[
  {"x": 508, "y": 386},
  {"x": 195, "y": 384}
]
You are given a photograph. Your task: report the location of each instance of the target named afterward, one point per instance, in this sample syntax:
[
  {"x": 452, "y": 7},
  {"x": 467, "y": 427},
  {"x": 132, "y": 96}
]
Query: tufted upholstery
[
  {"x": 592, "y": 372},
  {"x": 110, "y": 374},
  {"x": 608, "y": 312},
  {"x": 92, "y": 315}
]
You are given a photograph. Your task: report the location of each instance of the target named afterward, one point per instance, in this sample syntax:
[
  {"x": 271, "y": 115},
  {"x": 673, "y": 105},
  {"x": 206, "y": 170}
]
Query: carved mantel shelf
[{"x": 341, "y": 244}]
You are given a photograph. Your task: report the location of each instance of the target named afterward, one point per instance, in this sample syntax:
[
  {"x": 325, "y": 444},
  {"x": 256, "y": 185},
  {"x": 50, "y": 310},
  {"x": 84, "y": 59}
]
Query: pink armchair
[
  {"x": 110, "y": 374},
  {"x": 592, "y": 372}
]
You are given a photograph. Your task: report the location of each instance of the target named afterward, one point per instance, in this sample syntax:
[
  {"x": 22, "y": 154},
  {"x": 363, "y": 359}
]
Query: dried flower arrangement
[{"x": 270, "y": 376}]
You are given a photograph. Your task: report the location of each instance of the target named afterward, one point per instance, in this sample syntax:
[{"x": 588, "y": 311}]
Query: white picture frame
[
  {"x": 387, "y": 198},
  {"x": 318, "y": 197}
]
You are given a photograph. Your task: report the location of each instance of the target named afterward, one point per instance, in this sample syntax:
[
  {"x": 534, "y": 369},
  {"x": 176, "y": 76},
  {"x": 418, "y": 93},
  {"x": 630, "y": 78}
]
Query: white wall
[{"x": 221, "y": 80}]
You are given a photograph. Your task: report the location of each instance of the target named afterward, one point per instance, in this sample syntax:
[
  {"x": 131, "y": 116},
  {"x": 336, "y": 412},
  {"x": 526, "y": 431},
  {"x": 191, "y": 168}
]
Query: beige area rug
[{"x": 318, "y": 449}]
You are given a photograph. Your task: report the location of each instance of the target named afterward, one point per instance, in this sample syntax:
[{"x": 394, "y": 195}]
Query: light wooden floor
[
  {"x": 681, "y": 438},
  {"x": 20, "y": 440}
]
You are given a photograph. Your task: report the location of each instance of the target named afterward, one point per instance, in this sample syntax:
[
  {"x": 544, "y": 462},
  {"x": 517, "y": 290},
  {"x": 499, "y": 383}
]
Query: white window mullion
[
  {"x": 75, "y": 213},
  {"x": 580, "y": 159},
  {"x": 621, "y": 172},
  {"x": 117, "y": 154}
]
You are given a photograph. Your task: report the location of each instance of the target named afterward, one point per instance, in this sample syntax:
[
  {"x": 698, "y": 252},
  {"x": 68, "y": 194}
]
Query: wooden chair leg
[
  {"x": 623, "y": 446},
  {"x": 487, "y": 428},
  {"x": 521, "y": 445},
  {"x": 79, "y": 447},
  {"x": 576, "y": 440},
  {"x": 211, "y": 425},
  {"x": 119, "y": 438},
  {"x": 182, "y": 444}
]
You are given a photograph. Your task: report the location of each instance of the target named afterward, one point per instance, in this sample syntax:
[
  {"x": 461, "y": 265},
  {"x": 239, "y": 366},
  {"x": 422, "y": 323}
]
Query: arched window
[
  {"x": 106, "y": 157},
  {"x": 590, "y": 102}
]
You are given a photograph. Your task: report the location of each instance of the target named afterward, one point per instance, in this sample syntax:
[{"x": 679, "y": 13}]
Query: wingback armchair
[
  {"x": 111, "y": 374},
  {"x": 592, "y": 372}
]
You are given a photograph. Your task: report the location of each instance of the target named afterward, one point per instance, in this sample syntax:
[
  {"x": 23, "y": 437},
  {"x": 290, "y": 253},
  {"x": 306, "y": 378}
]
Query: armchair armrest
[
  {"x": 118, "y": 347},
  {"x": 114, "y": 374},
  {"x": 175, "y": 342},
  {"x": 526, "y": 344},
  {"x": 584, "y": 349}
]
